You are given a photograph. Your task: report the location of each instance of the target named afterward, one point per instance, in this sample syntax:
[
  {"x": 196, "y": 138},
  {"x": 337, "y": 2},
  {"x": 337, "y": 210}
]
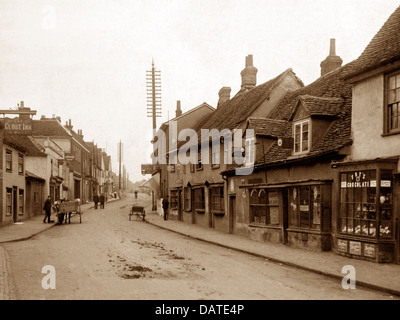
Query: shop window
[
  {"x": 8, "y": 160},
  {"x": 199, "y": 200},
  {"x": 217, "y": 200},
  {"x": 366, "y": 204},
  {"x": 188, "y": 199},
  {"x": 21, "y": 202},
  {"x": 264, "y": 206},
  {"x": 302, "y": 137},
  {"x": 250, "y": 152},
  {"x": 305, "y": 207},
  {"x": 8, "y": 201},
  {"x": 20, "y": 164},
  {"x": 393, "y": 103},
  {"x": 174, "y": 199}
]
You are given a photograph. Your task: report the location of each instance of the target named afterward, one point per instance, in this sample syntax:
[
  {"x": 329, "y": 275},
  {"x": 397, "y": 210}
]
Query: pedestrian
[
  {"x": 47, "y": 208},
  {"x": 96, "y": 200},
  {"x": 165, "y": 204},
  {"x": 102, "y": 200}
]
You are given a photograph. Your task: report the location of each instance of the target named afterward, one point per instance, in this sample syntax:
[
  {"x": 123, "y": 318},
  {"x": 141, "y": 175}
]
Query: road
[{"x": 110, "y": 257}]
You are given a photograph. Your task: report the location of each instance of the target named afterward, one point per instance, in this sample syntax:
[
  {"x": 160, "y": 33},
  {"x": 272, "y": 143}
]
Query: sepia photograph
[{"x": 199, "y": 157}]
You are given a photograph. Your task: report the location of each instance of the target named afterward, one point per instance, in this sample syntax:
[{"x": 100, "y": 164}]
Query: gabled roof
[
  {"x": 267, "y": 127},
  {"x": 332, "y": 88},
  {"x": 321, "y": 106},
  {"x": 235, "y": 111},
  {"x": 49, "y": 128},
  {"x": 384, "y": 48},
  {"x": 25, "y": 144}
]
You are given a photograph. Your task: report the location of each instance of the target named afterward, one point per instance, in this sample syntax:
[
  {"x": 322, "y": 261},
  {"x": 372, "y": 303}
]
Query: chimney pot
[
  {"x": 22, "y": 104},
  {"x": 178, "y": 111},
  {"x": 332, "y": 51},
  {"x": 249, "y": 74}
]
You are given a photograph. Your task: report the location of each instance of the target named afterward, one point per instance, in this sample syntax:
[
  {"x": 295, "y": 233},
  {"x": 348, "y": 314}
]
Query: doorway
[
  {"x": 232, "y": 214},
  {"x": 285, "y": 215},
  {"x": 15, "y": 204}
]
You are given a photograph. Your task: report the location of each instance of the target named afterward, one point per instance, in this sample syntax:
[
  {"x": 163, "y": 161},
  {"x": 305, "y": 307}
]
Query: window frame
[
  {"x": 9, "y": 202},
  {"x": 301, "y": 123},
  {"x": 388, "y": 130},
  {"x": 217, "y": 200},
  {"x": 21, "y": 164},
  {"x": 375, "y": 227},
  {"x": 202, "y": 202},
  {"x": 264, "y": 208},
  {"x": 21, "y": 202},
  {"x": 10, "y": 154}
]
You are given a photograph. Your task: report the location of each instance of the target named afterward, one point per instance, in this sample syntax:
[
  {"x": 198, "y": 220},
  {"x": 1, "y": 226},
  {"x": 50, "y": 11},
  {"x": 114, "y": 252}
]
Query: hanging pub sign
[{"x": 18, "y": 126}]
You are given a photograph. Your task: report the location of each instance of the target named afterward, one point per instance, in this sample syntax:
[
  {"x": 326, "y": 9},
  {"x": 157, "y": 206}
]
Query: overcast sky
[{"x": 86, "y": 60}]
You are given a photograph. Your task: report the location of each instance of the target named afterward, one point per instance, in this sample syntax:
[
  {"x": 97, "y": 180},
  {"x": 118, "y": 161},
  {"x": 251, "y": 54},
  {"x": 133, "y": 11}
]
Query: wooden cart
[
  {"x": 69, "y": 208},
  {"x": 137, "y": 211}
]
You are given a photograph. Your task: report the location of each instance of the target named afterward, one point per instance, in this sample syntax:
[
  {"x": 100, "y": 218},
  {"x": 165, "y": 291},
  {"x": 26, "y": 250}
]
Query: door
[
  {"x": 179, "y": 199},
  {"x": 15, "y": 204},
  {"x": 232, "y": 213},
  {"x": 285, "y": 214}
]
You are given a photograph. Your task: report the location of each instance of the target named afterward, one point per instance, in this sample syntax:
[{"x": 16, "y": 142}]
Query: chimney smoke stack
[
  {"x": 332, "y": 62},
  {"x": 249, "y": 74},
  {"x": 178, "y": 111}
]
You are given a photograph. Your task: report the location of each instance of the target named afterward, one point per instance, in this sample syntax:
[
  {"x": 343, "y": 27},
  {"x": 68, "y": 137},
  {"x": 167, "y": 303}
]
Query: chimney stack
[
  {"x": 69, "y": 125},
  {"x": 224, "y": 95},
  {"x": 249, "y": 74},
  {"x": 178, "y": 111},
  {"x": 332, "y": 62}
]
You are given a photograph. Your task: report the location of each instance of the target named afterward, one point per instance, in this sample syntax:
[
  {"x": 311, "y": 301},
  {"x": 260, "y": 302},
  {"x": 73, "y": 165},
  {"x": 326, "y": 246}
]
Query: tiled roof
[
  {"x": 321, "y": 105},
  {"x": 25, "y": 144},
  {"x": 384, "y": 47},
  {"x": 49, "y": 128},
  {"x": 267, "y": 127},
  {"x": 329, "y": 88},
  {"x": 233, "y": 112}
]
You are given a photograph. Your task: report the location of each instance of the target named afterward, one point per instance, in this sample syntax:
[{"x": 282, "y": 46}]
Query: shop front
[
  {"x": 297, "y": 214},
  {"x": 369, "y": 210}
]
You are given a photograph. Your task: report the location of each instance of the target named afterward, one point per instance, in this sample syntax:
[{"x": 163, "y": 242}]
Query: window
[
  {"x": 8, "y": 201},
  {"x": 192, "y": 167},
  {"x": 301, "y": 137},
  {"x": 264, "y": 206},
  {"x": 199, "y": 200},
  {"x": 187, "y": 199},
  {"x": 21, "y": 202},
  {"x": 305, "y": 207},
  {"x": 20, "y": 164},
  {"x": 217, "y": 200},
  {"x": 215, "y": 156},
  {"x": 393, "y": 102},
  {"x": 250, "y": 151},
  {"x": 8, "y": 160},
  {"x": 199, "y": 166},
  {"x": 174, "y": 199},
  {"x": 362, "y": 209}
]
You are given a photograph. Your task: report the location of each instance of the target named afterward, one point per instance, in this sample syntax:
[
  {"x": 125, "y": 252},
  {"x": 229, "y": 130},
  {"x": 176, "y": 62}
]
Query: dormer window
[{"x": 301, "y": 137}]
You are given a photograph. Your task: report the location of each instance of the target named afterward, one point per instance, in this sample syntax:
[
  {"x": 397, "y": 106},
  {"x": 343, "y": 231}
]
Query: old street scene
[{"x": 161, "y": 151}]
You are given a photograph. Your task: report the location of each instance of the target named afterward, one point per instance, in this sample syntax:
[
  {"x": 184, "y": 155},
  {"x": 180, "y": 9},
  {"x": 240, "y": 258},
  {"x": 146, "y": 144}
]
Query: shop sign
[
  {"x": 342, "y": 245},
  {"x": 386, "y": 184},
  {"x": 369, "y": 250},
  {"x": 355, "y": 248},
  {"x": 304, "y": 208},
  {"x": 18, "y": 126},
  {"x": 358, "y": 180}
]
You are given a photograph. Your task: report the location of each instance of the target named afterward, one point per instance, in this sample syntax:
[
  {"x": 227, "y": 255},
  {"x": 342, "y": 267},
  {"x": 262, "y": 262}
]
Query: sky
[{"x": 86, "y": 60}]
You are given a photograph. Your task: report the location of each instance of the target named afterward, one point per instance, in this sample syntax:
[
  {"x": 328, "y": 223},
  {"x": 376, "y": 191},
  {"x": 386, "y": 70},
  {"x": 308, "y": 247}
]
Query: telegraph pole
[
  {"x": 153, "y": 87},
  {"x": 120, "y": 161}
]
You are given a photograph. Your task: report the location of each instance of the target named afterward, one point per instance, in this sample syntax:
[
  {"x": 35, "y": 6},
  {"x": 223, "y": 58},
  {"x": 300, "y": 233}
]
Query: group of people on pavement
[{"x": 99, "y": 199}]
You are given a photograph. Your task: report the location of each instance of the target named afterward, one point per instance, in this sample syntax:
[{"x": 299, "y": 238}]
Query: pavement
[
  {"x": 376, "y": 276},
  {"x": 382, "y": 277}
]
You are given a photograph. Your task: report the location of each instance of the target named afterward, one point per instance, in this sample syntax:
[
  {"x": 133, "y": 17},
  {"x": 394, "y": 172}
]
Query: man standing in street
[
  {"x": 165, "y": 204},
  {"x": 102, "y": 200},
  {"x": 47, "y": 208},
  {"x": 95, "y": 200}
]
